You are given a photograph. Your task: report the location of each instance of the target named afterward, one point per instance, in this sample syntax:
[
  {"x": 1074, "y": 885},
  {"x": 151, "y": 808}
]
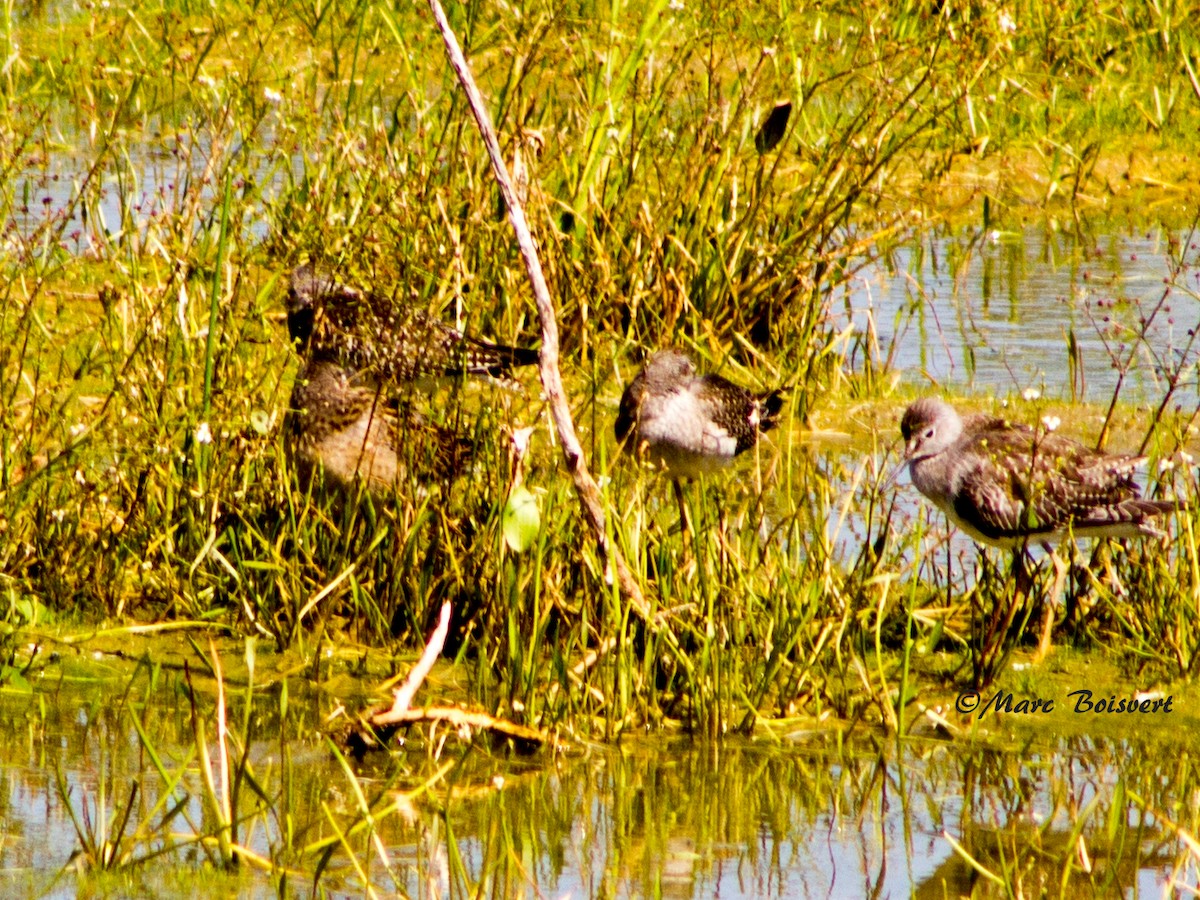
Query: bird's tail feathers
[
  {"x": 770, "y": 407},
  {"x": 511, "y": 357}
]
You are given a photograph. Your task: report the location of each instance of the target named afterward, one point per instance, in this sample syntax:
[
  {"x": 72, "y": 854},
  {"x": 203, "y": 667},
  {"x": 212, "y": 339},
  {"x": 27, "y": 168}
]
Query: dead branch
[
  {"x": 479, "y": 721},
  {"x": 402, "y": 699},
  {"x": 585, "y": 485}
]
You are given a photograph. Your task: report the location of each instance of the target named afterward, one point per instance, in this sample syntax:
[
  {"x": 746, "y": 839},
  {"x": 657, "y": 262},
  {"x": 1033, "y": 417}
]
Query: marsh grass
[{"x": 169, "y": 165}]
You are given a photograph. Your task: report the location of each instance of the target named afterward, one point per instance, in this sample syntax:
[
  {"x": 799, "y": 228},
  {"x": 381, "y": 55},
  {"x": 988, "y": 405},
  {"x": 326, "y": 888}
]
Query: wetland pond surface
[
  {"x": 1051, "y": 311},
  {"x": 803, "y": 813}
]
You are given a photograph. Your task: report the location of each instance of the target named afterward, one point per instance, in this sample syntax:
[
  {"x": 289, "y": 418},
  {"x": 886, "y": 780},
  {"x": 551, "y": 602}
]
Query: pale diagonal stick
[
  {"x": 585, "y": 486},
  {"x": 404, "y": 694}
]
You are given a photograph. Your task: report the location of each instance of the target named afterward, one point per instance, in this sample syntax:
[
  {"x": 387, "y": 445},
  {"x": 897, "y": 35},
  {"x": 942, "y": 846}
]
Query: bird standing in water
[
  {"x": 689, "y": 424},
  {"x": 1007, "y": 485}
]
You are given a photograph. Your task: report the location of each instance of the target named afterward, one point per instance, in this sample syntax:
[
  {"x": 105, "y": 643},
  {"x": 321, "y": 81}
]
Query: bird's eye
[{"x": 928, "y": 433}]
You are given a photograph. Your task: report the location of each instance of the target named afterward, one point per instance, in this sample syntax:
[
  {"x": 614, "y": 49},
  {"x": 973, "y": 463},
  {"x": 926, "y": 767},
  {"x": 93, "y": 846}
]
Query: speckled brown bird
[
  {"x": 345, "y": 425},
  {"x": 377, "y": 335},
  {"x": 690, "y": 424},
  {"x": 1009, "y": 485},
  {"x": 1006, "y": 484}
]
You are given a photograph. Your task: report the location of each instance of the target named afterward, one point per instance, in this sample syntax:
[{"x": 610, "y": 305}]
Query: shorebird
[
  {"x": 373, "y": 334},
  {"x": 345, "y": 425},
  {"x": 1008, "y": 485},
  {"x": 689, "y": 424}
]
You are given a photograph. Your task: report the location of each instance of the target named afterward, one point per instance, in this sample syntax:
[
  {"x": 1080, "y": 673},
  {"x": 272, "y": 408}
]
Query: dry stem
[{"x": 585, "y": 485}]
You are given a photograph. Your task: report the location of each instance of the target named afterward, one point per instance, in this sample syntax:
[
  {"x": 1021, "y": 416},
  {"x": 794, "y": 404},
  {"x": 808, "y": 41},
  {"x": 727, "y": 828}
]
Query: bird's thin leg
[
  {"x": 1050, "y": 603},
  {"x": 1022, "y": 577},
  {"x": 994, "y": 643},
  {"x": 1102, "y": 560},
  {"x": 685, "y": 526},
  {"x": 992, "y": 648}
]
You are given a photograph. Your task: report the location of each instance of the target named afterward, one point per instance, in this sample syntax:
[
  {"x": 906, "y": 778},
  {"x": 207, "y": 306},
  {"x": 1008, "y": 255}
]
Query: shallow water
[
  {"x": 803, "y": 814},
  {"x": 995, "y": 313}
]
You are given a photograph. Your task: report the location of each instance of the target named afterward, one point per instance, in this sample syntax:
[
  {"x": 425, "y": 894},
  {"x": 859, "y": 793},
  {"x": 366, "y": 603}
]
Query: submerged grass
[
  {"x": 168, "y": 164},
  {"x": 1080, "y": 809}
]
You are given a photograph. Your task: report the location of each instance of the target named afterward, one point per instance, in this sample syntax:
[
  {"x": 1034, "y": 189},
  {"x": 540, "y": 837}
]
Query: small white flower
[
  {"x": 1006, "y": 22},
  {"x": 77, "y": 429},
  {"x": 675, "y": 6},
  {"x": 79, "y": 479},
  {"x": 58, "y": 514},
  {"x": 1051, "y": 423},
  {"x": 1031, "y": 394},
  {"x": 1185, "y": 457},
  {"x": 272, "y": 96},
  {"x": 203, "y": 433},
  {"x": 1165, "y": 465},
  {"x": 994, "y": 235}
]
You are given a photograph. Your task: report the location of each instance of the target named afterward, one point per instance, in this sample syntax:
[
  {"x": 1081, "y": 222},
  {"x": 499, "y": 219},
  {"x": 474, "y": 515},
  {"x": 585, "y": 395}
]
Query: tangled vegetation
[
  {"x": 707, "y": 174},
  {"x": 694, "y": 174}
]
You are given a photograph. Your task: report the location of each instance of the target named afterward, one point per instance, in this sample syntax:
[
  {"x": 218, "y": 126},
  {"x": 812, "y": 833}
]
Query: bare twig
[
  {"x": 585, "y": 485},
  {"x": 478, "y": 721},
  {"x": 404, "y": 694},
  {"x": 401, "y": 712}
]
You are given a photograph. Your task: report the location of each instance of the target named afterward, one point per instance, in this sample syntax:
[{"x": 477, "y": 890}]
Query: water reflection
[
  {"x": 1043, "y": 309},
  {"x": 824, "y": 817}
]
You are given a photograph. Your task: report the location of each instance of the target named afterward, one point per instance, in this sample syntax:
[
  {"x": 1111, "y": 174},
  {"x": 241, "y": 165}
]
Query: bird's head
[
  {"x": 310, "y": 287},
  {"x": 669, "y": 367},
  {"x": 929, "y": 426}
]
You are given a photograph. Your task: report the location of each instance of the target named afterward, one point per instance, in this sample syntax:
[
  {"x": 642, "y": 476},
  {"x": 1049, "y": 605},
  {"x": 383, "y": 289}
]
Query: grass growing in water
[{"x": 145, "y": 369}]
